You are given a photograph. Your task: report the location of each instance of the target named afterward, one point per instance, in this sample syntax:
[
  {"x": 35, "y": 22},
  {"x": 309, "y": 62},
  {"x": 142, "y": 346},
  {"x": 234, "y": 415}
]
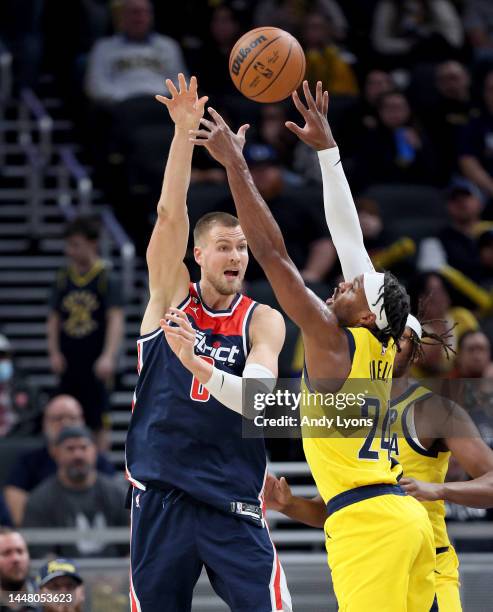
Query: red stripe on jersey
[{"x": 226, "y": 324}]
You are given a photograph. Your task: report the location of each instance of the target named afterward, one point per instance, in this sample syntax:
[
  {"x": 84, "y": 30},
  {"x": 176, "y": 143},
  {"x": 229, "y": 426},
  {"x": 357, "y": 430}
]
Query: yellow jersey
[
  {"x": 417, "y": 462},
  {"x": 345, "y": 442}
]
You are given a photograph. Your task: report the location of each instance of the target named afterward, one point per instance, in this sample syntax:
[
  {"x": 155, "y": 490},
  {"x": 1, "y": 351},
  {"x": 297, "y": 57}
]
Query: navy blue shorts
[{"x": 173, "y": 536}]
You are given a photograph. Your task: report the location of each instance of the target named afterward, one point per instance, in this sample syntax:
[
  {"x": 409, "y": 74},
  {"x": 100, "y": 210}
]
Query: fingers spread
[
  {"x": 172, "y": 89},
  {"x": 193, "y": 85},
  {"x": 325, "y": 103},
  {"x": 216, "y": 116},
  {"x": 199, "y": 133},
  {"x": 318, "y": 96},
  {"x": 292, "y": 127},
  {"x": 201, "y": 102},
  {"x": 182, "y": 82},
  {"x": 207, "y": 123},
  {"x": 163, "y": 100},
  {"x": 308, "y": 96},
  {"x": 299, "y": 104}
]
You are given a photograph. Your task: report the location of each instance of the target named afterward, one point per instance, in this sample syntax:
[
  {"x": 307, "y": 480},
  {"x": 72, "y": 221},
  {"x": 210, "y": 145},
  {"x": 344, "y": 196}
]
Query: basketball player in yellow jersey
[
  {"x": 424, "y": 449},
  {"x": 381, "y": 542},
  {"x": 424, "y": 456}
]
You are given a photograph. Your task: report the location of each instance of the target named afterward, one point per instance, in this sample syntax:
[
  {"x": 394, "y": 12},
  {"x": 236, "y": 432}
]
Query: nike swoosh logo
[{"x": 338, "y": 162}]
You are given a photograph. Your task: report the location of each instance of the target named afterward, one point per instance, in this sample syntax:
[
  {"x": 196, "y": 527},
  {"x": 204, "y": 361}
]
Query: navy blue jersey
[{"x": 179, "y": 435}]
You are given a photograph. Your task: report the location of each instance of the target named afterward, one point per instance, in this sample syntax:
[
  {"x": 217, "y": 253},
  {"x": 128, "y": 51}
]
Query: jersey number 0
[{"x": 198, "y": 392}]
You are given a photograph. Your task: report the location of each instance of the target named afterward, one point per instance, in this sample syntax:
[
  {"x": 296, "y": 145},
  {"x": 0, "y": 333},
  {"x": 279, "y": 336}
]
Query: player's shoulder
[{"x": 266, "y": 318}]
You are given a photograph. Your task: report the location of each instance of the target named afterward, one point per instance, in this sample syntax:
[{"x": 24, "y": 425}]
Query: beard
[
  {"x": 12, "y": 584},
  {"x": 223, "y": 287},
  {"x": 78, "y": 473}
]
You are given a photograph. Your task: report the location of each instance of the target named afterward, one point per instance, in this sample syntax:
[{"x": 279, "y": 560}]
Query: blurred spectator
[
  {"x": 210, "y": 61},
  {"x": 410, "y": 31},
  {"x": 21, "y": 27},
  {"x": 430, "y": 298},
  {"x": 473, "y": 355},
  {"x": 14, "y": 569},
  {"x": 272, "y": 131},
  {"x": 476, "y": 144},
  {"x": 77, "y": 497},
  {"x": 135, "y": 62},
  {"x": 478, "y": 23},
  {"x": 7, "y": 409},
  {"x": 61, "y": 576},
  {"x": 85, "y": 325},
  {"x": 299, "y": 216},
  {"x": 324, "y": 60},
  {"x": 288, "y": 14},
  {"x": 385, "y": 251},
  {"x": 5, "y": 520},
  {"x": 397, "y": 150},
  {"x": 450, "y": 111},
  {"x": 459, "y": 237},
  {"x": 485, "y": 246},
  {"x": 363, "y": 115},
  {"x": 34, "y": 466}
]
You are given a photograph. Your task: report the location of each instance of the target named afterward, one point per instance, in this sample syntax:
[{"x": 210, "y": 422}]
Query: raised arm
[
  {"x": 340, "y": 211},
  {"x": 168, "y": 276},
  {"x": 263, "y": 234}
]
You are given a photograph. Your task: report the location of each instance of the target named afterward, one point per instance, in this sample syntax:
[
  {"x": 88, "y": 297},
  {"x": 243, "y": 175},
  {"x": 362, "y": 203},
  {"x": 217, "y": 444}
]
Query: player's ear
[
  {"x": 197, "y": 255},
  {"x": 367, "y": 319}
]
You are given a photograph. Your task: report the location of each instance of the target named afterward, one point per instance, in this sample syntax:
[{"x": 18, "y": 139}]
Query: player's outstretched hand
[
  {"x": 422, "y": 491},
  {"x": 277, "y": 493},
  {"x": 180, "y": 335},
  {"x": 185, "y": 107},
  {"x": 316, "y": 132},
  {"x": 223, "y": 144}
]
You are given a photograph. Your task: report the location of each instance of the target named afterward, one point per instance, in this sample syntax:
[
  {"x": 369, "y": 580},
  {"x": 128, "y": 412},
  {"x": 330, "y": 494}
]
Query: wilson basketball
[{"x": 267, "y": 64}]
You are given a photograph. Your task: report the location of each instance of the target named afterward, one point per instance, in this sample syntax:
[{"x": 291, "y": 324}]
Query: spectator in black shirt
[
  {"x": 460, "y": 237},
  {"x": 476, "y": 144},
  {"x": 451, "y": 111},
  {"x": 37, "y": 465},
  {"x": 85, "y": 325},
  {"x": 397, "y": 150},
  {"x": 77, "y": 497}
]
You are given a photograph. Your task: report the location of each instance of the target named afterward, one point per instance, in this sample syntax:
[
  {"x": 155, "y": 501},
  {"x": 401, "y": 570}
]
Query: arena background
[{"x": 411, "y": 107}]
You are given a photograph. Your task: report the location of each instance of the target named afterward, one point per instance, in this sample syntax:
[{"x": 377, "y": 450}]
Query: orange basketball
[{"x": 267, "y": 64}]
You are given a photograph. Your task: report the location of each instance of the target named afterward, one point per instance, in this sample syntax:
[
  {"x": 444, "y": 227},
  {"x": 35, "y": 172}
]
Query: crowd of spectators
[{"x": 411, "y": 106}]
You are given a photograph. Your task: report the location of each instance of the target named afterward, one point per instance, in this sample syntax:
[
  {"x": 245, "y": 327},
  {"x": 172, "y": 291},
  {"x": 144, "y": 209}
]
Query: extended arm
[
  {"x": 340, "y": 211},
  {"x": 264, "y": 236},
  {"x": 473, "y": 454},
  {"x": 168, "y": 277},
  {"x": 278, "y": 496}
]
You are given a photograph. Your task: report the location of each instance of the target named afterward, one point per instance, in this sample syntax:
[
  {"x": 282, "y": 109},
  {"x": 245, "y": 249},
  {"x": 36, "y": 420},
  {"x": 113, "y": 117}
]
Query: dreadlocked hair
[
  {"x": 394, "y": 298},
  {"x": 443, "y": 339}
]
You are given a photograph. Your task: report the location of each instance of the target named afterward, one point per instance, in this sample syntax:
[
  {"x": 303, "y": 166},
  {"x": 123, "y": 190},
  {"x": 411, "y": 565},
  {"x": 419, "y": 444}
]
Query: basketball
[{"x": 267, "y": 64}]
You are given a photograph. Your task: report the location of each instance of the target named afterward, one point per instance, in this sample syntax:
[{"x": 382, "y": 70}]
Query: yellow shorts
[
  {"x": 447, "y": 581},
  {"x": 381, "y": 553}
]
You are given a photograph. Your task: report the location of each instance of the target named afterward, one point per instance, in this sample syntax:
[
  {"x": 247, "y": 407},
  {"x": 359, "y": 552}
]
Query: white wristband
[{"x": 228, "y": 388}]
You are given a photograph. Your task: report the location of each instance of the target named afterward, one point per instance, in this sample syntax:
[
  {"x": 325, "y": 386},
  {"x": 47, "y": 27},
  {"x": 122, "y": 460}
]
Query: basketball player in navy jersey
[{"x": 197, "y": 485}]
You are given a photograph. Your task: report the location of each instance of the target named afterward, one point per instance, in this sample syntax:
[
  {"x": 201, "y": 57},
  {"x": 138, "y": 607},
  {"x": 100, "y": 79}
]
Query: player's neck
[
  {"x": 213, "y": 299},
  {"x": 399, "y": 386}
]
